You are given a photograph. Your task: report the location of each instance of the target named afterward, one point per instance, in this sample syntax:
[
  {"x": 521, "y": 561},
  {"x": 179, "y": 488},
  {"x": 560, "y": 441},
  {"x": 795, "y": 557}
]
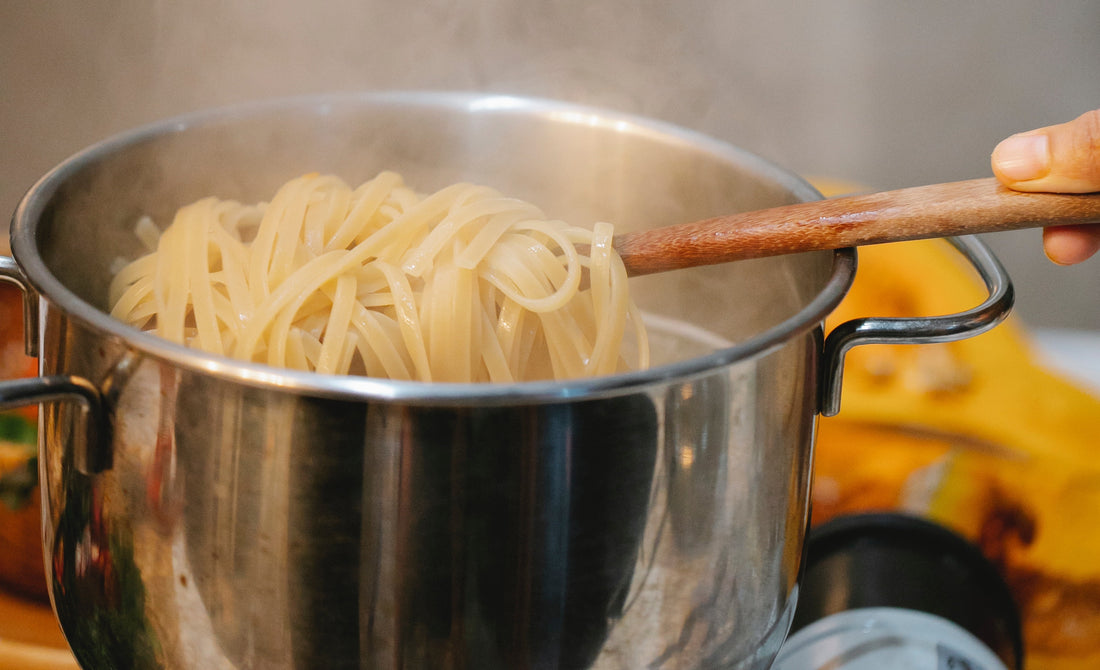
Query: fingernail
[{"x": 1023, "y": 157}]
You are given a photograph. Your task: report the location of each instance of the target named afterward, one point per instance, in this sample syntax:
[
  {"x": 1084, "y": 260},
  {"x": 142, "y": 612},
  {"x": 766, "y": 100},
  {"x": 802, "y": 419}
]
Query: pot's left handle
[
  {"x": 919, "y": 330},
  {"x": 10, "y": 273},
  {"x": 95, "y": 456}
]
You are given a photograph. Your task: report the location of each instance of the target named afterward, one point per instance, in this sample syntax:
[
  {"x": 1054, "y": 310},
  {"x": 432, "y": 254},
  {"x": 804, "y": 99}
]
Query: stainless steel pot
[{"x": 205, "y": 513}]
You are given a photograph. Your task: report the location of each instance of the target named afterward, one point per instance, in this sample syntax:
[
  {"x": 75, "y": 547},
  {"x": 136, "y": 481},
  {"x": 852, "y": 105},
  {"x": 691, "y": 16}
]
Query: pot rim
[{"x": 49, "y": 287}]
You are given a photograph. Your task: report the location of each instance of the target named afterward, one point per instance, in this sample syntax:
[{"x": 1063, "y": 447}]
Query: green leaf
[{"x": 18, "y": 429}]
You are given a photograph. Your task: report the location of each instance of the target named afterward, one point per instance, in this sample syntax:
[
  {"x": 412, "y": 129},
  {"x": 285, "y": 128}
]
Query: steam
[{"x": 635, "y": 57}]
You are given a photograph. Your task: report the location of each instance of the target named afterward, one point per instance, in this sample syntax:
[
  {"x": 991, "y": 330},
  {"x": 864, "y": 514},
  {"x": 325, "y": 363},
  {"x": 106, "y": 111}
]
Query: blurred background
[{"x": 882, "y": 94}]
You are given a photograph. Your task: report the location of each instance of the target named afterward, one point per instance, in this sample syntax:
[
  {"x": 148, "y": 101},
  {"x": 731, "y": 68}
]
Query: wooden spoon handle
[{"x": 940, "y": 210}]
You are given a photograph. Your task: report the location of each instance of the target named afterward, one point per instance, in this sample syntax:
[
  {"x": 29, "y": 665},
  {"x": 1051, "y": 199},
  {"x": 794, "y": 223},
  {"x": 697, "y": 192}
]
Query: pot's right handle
[
  {"x": 919, "y": 330},
  {"x": 96, "y": 454}
]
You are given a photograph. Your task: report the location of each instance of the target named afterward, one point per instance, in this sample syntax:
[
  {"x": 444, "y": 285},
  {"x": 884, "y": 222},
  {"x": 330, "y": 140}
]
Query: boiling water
[{"x": 672, "y": 340}]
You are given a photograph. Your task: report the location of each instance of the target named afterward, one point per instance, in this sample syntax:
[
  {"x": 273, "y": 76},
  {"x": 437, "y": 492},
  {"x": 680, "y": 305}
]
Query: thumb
[{"x": 1062, "y": 159}]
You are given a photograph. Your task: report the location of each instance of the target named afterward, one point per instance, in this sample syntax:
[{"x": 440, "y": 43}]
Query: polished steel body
[{"x": 204, "y": 513}]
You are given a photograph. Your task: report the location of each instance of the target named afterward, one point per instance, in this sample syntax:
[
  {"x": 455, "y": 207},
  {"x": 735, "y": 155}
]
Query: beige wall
[{"x": 884, "y": 93}]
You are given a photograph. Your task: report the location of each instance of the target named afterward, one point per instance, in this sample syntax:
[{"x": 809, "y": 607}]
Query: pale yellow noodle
[
  {"x": 382, "y": 344},
  {"x": 408, "y": 317},
  {"x": 461, "y": 285},
  {"x": 363, "y": 215},
  {"x": 199, "y": 280},
  {"x": 337, "y": 329},
  {"x": 172, "y": 282}
]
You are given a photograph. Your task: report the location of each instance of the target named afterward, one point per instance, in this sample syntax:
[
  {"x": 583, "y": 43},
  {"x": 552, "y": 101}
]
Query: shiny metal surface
[
  {"x": 258, "y": 518},
  {"x": 920, "y": 330},
  {"x": 11, "y": 274}
]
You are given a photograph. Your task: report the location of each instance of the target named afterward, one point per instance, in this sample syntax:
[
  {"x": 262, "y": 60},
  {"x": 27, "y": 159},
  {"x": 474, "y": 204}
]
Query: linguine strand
[{"x": 461, "y": 285}]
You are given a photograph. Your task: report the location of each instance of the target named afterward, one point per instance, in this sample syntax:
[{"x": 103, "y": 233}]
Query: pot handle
[
  {"x": 95, "y": 456},
  {"x": 10, "y": 273},
  {"x": 91, "y": 459},
  {"x": 919, "y": 330}
]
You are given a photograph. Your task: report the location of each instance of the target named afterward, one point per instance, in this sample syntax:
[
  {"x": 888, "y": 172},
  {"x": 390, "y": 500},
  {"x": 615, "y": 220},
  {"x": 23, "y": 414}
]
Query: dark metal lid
[{"x": 897, "y": 560}]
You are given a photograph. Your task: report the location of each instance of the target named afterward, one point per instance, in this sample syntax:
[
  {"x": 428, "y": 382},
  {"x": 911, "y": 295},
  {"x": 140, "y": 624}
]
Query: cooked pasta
[{"x": 461, "y": 285}]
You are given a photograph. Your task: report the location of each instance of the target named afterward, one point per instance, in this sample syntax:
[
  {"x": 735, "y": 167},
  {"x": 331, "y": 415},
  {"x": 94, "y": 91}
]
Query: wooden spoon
[{"x": 940, "y": 210}]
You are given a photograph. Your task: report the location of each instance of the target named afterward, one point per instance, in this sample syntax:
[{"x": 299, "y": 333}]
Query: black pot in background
[{"x": 905, "y": 562}]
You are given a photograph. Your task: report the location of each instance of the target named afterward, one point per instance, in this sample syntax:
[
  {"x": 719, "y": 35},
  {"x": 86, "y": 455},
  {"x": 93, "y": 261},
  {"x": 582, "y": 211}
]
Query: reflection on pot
[{"x": 97, "y": 589}]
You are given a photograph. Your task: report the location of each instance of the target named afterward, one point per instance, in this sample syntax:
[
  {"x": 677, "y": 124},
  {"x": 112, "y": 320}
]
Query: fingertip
[
  {"x": 1069, "y": 245},
  {"x": 1058, "y": 159},
  {"x": 1021, "y": 158}
]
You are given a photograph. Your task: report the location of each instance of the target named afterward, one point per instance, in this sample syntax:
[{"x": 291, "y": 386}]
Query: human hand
[{"x": 1060, "y": 159}]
